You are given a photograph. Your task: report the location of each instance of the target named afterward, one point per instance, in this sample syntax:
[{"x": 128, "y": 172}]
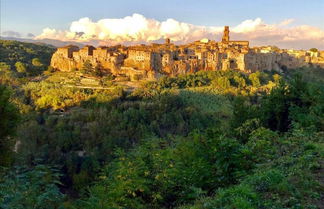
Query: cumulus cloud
[
  {"x": 131, "y": 29},
  {"x": 260, "y": 33},
  {"x": 139, "y": 29}
]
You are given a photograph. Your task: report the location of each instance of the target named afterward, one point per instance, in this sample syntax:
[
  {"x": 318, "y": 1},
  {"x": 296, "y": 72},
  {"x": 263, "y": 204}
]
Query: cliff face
[
  {"x": 62, "y": 63},
  {"x": 255, "y": 61}
]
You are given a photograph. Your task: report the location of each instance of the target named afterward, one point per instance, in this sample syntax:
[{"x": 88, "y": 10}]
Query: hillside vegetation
[
  {"x": 24, "y": 58},
  {"x": 220, "y": 139}
]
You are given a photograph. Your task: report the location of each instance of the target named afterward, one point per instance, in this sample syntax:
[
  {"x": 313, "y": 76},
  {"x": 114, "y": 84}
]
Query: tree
[
  {"x": 34, "y": 188},
  {"x": 36, "y": 62},
  {"x": 313, "y": 50},
  {"x": 240, "y": 81},
  {"x": 136, "y": 77},
  {"x": 222, "y": 82},
  {"x": 255, "y": 79},
  {"x": 20, "y": 67},
  {"x": 4, "y": 67},
  {"x": 15, "y": 51},
  {"x": 98, "y": 70},
  {"x": 276, "y": 78},
  {"x": 155, "y": 175},
  {"x": 6, "y": 74},
  {"x": 8, "y": 122},
  {"x": 275, "y": 108},
  {"x": 87, "y": 67}
]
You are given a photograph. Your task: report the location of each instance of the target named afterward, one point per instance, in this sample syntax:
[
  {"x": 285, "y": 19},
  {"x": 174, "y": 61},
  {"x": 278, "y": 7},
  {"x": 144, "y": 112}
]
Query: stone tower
[
  {"x": 167, "y": 41},
  {"x": 225, "y": 38}
]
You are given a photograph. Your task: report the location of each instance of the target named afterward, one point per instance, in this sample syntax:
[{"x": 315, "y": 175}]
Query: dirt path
[
  {"x": 128, "y": 86},
  {"x": 89, "y": 87}
]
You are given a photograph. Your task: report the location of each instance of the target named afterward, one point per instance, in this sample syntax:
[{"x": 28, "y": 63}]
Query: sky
[{"x": 285, "y": 23}]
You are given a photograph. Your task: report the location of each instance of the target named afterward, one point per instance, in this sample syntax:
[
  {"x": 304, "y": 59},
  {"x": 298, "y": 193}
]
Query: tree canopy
[{"x": 210, "y": 139}]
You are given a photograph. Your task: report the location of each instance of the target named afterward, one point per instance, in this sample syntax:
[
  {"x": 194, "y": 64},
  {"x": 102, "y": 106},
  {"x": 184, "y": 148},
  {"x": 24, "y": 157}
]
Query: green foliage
[
  {"x": 36, "y": 62},
  {"x": 156, "y": 175},
  {"x": 99, "y": 129},
  {"x": 7, "y": 76},
  {"x": 32, "y": 56},
  {"x": 106, "y": 81},
  {"x": 87, "y": 67},
  {"x": 211, "y": 139},
  {"x": 20, "y": 67},
  {"x": 284, "y": 180},
  {"x": 4, "y": 67},
  {"x": 310, "y": 74},
  {"x": 34, "y": 188},
  {"x": 275, "y": 108},
  {"x": 249, "y": 194},
  {"x": 222, "y": 82},
  {"x": 313, "y": 50},
  {"x": 242, "y": 111},
  {"x": 51, "y": 95},
  {"x": 293, "y": 104},
  {"x": 255, "y": 79},
  {"x": 262, "y": 142},
  {"x": 243, "y": 132},
  {"x": 8, "y": 123},
  {"x": 240, "y": 81},
  {"x": 241, "y": 196},
  {"x": 276, "y": 78},
  {"x": 98, "y": 70}
]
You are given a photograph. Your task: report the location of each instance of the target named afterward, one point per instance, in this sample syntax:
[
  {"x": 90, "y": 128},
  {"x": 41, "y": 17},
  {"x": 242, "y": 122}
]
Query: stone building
[
  {"x": 170, "y": 59},
  {"x": 67, "y": 51},
  {"x": 143, "y": 59}
]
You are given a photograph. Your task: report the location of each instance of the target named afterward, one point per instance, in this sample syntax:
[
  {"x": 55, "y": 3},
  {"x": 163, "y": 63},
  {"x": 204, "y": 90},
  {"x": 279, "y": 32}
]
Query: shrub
[{"x": 34, "y": 188}]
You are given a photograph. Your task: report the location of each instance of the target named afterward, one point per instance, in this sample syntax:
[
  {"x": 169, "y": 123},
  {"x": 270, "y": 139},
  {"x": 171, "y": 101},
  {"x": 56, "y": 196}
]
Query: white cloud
[
  {"x": 249, "y": 26},
  {"x": 139, "y": 29}
]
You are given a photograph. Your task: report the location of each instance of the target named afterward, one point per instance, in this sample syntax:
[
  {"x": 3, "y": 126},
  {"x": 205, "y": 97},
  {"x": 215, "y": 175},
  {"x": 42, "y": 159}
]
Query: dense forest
[{"x": 211, "y": 139}]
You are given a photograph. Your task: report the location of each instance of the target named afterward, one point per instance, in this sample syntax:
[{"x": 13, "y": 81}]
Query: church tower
[{"x": 225, "y": 38}]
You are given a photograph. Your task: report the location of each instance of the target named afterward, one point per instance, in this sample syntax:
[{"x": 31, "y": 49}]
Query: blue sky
[
  {"x": 285, "y": 23},
  {"x": 33, "y": 15}
]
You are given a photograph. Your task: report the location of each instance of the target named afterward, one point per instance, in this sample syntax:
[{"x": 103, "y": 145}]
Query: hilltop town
[{"x": 150, "y": 61}]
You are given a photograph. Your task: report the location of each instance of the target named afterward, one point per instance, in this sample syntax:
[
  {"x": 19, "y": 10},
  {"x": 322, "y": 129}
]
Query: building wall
[{"x": 172, "y": 60}]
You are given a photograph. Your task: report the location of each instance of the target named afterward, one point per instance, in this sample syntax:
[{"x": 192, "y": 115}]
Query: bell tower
[
  {"x": 167, "y": 41},
  {"x": 225, "y": 38}
]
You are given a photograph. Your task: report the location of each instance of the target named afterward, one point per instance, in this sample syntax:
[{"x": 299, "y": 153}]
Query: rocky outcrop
[{"x": 278, "y": 61}]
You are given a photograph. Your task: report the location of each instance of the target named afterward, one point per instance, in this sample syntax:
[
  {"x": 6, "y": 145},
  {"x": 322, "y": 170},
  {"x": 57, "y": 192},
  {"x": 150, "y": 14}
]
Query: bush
[
  {"x": 35, "y": 188},
  {"x": 242, "y": 197},
  {"x": 8, "y": 122},
  {"x": 157, "y": 175}
]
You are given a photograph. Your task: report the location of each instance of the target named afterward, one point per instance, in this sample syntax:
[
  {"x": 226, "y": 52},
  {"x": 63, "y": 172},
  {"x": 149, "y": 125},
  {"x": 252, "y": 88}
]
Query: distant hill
[
  {"x": 55, "y": 43},
  {"x": 16, "y": 51}
]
